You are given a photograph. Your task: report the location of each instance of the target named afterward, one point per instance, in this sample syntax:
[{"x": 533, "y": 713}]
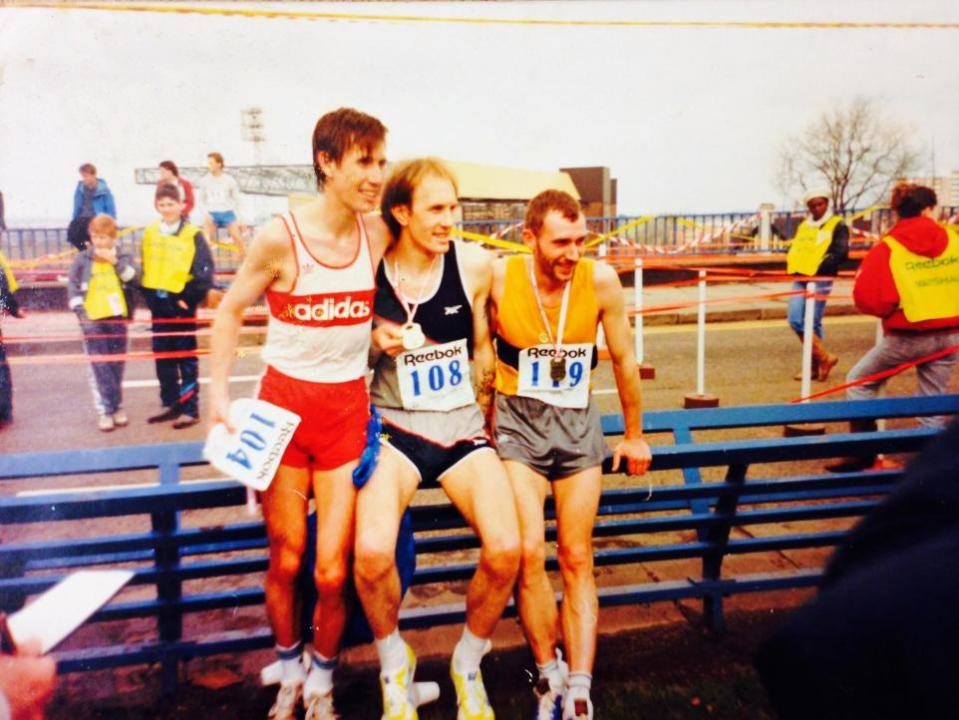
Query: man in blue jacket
[{"x": 91, "y": 198}]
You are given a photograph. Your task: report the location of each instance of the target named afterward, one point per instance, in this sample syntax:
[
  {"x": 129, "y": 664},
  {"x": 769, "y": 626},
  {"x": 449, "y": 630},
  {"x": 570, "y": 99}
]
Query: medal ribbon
[
  {"x": 542, "y": 311},
  {"x": 410, "y": 307}
]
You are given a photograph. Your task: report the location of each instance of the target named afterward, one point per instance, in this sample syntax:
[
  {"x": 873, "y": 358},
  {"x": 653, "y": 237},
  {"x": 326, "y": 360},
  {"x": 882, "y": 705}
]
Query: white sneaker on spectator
[{"x": 106, "y": 423}]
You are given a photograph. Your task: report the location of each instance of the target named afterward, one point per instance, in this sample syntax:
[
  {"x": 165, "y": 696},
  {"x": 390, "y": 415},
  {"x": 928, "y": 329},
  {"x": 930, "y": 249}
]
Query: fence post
[
  {"x": 718, "y": 538},
  {"x": 765, "y": 226},
  {"x": 797, "y": 429},
  {"x": 700, "y": 399},
  {"x": 165, "y": 524}
]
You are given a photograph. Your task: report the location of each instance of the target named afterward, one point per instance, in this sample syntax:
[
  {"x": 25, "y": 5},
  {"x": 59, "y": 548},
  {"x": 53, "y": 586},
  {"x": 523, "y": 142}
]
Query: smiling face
[
  {"x": 357, "y": 179},
  {"x": 429, "y": 219},
  {"x": 559, "y": 245},
  {"x": 169, "y": 209}
]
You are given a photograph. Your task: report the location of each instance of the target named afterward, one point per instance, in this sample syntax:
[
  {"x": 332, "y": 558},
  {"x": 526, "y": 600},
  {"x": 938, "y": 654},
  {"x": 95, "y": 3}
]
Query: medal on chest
[
  {"x": 557, "y": 369},
  {"x": 412, "y": 336}
]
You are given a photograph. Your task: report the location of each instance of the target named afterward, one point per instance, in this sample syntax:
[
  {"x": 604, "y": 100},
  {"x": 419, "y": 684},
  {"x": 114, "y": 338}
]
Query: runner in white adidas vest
[{"x": 315, "y": 266}]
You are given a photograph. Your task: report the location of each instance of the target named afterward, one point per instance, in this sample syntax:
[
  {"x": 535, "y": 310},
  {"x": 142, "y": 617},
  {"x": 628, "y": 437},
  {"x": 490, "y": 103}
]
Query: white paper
[
  {"x": 63, "y": 608},
  {"x": 252, "y": 453}
]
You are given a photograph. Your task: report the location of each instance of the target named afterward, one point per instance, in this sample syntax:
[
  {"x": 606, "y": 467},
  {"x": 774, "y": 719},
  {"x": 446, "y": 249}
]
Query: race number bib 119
[
  {"x": 536, "y": 380},
  {"x": 436, "y": 377},
  {"x": 252, "y": 453}
]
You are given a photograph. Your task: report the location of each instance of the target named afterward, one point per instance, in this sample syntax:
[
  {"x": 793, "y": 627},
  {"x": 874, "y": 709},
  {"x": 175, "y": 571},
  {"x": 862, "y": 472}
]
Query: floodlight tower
[{"x": 254, "y": 131}]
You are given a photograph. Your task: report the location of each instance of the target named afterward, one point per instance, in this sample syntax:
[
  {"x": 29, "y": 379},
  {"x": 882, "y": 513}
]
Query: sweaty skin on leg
[
  {"x": 577, "y": 502},
  {"x": 284, "y": 511},
  {"x": 379, "y": 508},
  {"x": 479, "y": 488},
  {"x": 335, "y": 499},
  {"x": 535, "y": 598}
]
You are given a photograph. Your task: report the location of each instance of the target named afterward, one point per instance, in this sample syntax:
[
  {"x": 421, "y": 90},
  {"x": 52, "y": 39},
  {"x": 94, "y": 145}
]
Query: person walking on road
[
  {"x": 315, "y": 267},
  {"x": 10, "y": 306},
  {"x": 92, "y": 197},
  {"x": 909, "y": 279},
  {"x": 820, "y": 246},
  {"x": 546, "y": 309}
]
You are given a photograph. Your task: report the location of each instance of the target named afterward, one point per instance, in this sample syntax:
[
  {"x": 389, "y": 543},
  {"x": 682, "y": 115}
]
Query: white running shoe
[
  {"x": 286, "y": 701},
  {"x": 397, "y": 687},
  {"x": 577, "y": 707},
  {"x": 549, "y": 699},
  {"x": 319, "y": 706},
  {"x": 471, "y": 700}
]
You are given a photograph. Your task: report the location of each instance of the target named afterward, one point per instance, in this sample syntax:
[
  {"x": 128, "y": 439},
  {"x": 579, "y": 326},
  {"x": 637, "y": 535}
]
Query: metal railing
[{"x": 177, "y": 557}]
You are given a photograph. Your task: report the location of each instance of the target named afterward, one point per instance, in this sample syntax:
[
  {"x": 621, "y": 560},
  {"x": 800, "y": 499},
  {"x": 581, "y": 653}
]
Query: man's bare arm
[
  {"x": 262, "y": 266},
  {"x": 609, "y": 293},
  {"x": 479, "y": 266}
]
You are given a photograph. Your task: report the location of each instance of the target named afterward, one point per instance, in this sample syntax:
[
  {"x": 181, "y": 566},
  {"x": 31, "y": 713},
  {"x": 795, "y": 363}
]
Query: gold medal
[{"x": 557, "y": 369}]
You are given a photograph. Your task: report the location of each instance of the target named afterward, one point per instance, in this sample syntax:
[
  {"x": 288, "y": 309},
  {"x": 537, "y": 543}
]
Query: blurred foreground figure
[
  {"x": 881, "y": 639},
  {"x": 26, "y": 684}
]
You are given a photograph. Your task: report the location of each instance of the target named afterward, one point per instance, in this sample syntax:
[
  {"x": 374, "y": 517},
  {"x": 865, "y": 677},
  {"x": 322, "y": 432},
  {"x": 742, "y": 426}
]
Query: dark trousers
[
  {"x": 106, "y": 337},
  {"x": 78, "y": 232},
  {"x": 6, "y": 387},
  {"x": 177, "y": 376}
]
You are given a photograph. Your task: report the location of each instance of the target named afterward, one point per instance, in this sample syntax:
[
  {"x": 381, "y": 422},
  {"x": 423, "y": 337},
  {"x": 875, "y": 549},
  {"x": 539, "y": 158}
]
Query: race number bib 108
[
  {"x": 436, "y": 377},
  {"x": 536, "y": 381},
  {"x": 252, "y": 453}
]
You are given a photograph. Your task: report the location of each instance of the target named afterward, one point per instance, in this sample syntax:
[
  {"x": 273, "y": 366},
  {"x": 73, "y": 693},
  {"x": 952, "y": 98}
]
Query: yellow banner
[{"x": 487, "y": 240}]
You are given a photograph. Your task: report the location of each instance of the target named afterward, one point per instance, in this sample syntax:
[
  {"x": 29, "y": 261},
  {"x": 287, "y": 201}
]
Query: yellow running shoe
[
  {"x": 471, "y": 699},
  {"x": 397, "y": 689}
]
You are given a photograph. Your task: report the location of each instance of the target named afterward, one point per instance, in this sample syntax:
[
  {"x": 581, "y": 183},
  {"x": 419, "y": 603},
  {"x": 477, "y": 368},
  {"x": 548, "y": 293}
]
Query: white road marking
[{"x": 203, "y": 381}]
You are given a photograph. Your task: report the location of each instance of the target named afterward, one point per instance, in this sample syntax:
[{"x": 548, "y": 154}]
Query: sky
[{"x": 689, "y": 119}]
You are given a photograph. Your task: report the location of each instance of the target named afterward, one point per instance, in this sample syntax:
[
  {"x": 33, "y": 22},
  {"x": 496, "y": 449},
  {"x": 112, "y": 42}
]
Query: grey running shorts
[{"x": 553, "y": 441}]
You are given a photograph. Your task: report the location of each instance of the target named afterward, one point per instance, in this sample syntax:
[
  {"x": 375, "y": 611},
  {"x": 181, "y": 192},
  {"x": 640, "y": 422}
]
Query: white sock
[
  {"x": 551, "y": 672},
  {"x": 291, "y": 661},
  {"x": 392, "y": 652},
  {"x": 320, "y": 679},
  {"x": 579, "y": 684},
  {"x": 469, "y": 652}
]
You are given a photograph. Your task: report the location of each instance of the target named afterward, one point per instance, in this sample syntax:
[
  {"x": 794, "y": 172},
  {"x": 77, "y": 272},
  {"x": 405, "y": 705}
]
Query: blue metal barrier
[{"x": 170, "y": 554}]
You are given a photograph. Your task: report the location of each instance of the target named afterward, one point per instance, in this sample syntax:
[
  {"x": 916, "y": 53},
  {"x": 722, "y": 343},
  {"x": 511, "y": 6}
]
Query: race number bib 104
[
  {"x": 252, "y": 453},
  {"x": 436, "y": 377},
  {"x": 536, "y": 378}
]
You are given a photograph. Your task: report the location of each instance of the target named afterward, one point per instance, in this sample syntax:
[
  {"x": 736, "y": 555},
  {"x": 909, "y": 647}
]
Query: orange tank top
[{"x": 519, "y": 322}]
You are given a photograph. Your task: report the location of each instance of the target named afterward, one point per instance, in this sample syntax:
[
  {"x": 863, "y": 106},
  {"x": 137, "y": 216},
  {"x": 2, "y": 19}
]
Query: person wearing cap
[{"x": 820, "y": 246}]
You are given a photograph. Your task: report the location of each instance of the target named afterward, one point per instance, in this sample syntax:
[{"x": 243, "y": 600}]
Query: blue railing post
[
  {"x": 718, "y": 538},
  {"x": 169, "y": 589}
]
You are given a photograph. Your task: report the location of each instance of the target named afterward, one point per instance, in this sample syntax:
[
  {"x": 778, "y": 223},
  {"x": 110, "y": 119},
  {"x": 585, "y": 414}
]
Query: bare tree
[{"x": 853, "y": 150}]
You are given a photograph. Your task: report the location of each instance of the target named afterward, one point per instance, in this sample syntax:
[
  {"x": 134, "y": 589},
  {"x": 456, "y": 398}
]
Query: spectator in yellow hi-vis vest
[
  {"x": 8, "y": 305},
  {"x": 821, "y": 244},
  {"x": 910, "y": 279},
  {"x": 100, "y": 280}
]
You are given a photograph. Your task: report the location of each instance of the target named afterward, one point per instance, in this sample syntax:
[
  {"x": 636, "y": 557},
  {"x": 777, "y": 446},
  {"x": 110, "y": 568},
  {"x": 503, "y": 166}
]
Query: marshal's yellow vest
[
  {"x": 5, "y": 269},
  {"x": 105, "y": 293},
  {"x": 809, "y": 247},
  {"x": 518, "y": 320},
  {"x": 167, "y": 259},
  {"x": 928, "y": 287}
]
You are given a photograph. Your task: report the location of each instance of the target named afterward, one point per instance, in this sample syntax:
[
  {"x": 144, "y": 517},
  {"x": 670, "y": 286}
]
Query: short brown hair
[
  {"x": 167, "y": 191},
  {"x": 88, "y": 169},
  {"x": 171, "y": 166},
  {"x": 216, "y": 156},
  {"x": 103, "y": 224},
  {"x": 908, "y": 199},
  {"x": 338, "y": 131},
  {"x": 547, "y": 201},
  {"x": 403, "y": 181}
]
